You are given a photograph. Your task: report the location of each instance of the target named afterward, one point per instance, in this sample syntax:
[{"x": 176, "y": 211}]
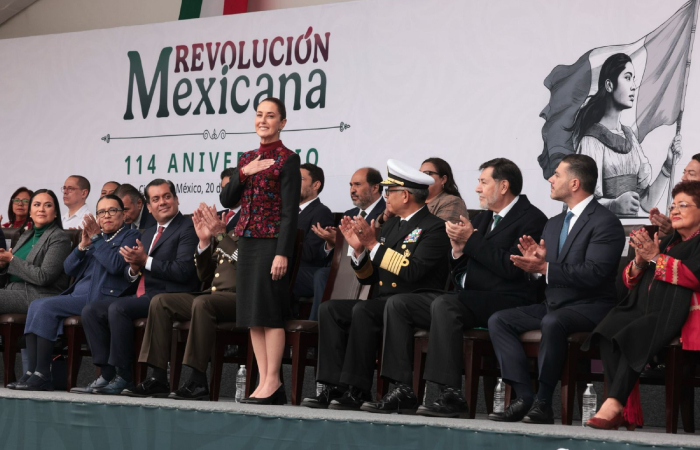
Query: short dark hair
[
  {"x": 228, "y": 172},
  {"x": 374, "y": 177},
  {"x": 505, "y": 169},
  {"x": 316, "y": 174},
  {"x": 11, "y": 216},
  {"x": 128, "y": 190},
  {"x": 691, "y": 188},
  {"x": 113, "y": 182},
  {"x": 82, "y": 182},
  {"x": 280, "y": 106},
  {"x": 585, "y": 169},
  {"x": 56, "y": 205},
  {"x": 110, "y": 197},
  {"x": 696, "y": 157},
  {"x": 158, "y": 182}
]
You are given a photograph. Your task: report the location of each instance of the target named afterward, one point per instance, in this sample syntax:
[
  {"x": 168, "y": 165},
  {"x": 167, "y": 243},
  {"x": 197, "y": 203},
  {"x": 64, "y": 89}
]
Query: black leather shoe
[
  {"x": 400, "y": 400},
  {"x": 513, "y": 413},
  {"x": 322, "y": 400},
  {"x": 22, "y": 380},
  {"x": 191, "y": 391},
  {"x": 279, "y": 397},
  {"x": 352, "y": 399},
  {"x": 450, "y": 403},
  {"x": 541, "y": 413},
  {"x": 37, "y": 382},
  {"x": 149, "y": 388}
]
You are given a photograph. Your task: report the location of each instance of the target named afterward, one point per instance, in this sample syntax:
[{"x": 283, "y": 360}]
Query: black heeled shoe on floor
[{"x": 279, "y": 397}]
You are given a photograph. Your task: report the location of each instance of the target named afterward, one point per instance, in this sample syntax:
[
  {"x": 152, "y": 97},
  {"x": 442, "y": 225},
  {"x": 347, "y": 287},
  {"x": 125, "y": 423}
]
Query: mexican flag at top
[{"x": 194, "y": 9}]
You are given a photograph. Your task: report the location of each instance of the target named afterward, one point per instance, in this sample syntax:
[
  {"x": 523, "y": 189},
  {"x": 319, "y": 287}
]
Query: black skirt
[{"x": 260, "y": 302}]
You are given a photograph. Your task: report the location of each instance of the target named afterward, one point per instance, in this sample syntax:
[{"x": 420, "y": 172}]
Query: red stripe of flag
[{"x": 235, "y": 6}]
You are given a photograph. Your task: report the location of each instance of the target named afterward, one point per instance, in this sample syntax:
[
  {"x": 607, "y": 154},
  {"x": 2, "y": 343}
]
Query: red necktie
[
  {"x": 141, "y": 290},
  {"x": 229, "y": 215}
]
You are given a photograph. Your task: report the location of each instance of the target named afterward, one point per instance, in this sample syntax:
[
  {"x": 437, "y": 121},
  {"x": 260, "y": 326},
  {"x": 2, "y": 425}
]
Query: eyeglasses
[
  {"x": 111, "y": 211},
  {"x": 430, "y": 173},
  {"x": 65, "y": 189},
  {"x": 17, "y": 201},
  {"x": 682, "y": 207},
  {"x": 389, "y": 191}
]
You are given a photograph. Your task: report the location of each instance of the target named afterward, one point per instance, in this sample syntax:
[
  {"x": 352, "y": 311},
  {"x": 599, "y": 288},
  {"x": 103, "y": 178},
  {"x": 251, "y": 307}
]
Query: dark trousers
[
  {"x": 320, "y": 280},
  {"x": 109, "y": 329},
  {"x": 349, "y": 336},
  {"x": 621, "y": 377},
  {"x": 203, "y": 310},
  {"x": 506, "y": 326},
  {"x": 305, "y": 286},
  {"x": 447, "y": 316}
]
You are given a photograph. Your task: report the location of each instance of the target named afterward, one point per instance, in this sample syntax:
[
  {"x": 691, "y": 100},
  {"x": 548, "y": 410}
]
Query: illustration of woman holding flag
[{"x": 624, "y": 173}]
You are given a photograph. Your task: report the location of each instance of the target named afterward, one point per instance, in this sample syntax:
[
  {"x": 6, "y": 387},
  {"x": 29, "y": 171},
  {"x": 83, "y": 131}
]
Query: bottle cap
[
  {"x": 243, "y": 367},
  {"x": 589, "y": 384}
]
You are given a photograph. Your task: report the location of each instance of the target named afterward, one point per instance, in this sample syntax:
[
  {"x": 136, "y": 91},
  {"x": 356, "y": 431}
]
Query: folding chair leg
[
  {"x": 472, "y": 366},
  {"x": 177, "y": 353},
  {"x": 75, "y": 338},
  {"x": 294, "y": 339},
  {"x": 419, "y": 368},
  {"x": 217, "y": 367}
]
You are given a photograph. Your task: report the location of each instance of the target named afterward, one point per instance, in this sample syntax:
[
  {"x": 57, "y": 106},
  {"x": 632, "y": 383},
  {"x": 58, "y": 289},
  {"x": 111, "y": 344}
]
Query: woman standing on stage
[{"x": 268, "y": 185}]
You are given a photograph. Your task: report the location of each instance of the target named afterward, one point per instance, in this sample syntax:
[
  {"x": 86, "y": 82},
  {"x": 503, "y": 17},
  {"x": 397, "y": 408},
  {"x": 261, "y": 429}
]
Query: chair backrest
[
  {"x": 473, "y": 213},
  {"x": 11, "y": 235},
  {"x": 296, "y": 258},
  {"x": 336, "y": 218},
  {"x": 342, "y": 282},
  {"x": 75, "y": 236}
]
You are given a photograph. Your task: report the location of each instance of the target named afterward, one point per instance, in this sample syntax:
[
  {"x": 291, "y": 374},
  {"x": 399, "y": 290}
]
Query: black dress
[{"x": 267, "y": 227}]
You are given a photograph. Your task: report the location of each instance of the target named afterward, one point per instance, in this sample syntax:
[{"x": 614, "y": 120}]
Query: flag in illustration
[{"x": 661, "y": 60}]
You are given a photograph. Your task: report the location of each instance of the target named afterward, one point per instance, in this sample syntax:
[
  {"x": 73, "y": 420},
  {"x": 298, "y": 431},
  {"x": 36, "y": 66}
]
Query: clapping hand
[
  {"x": 347, "y": 228},
  {"x": 211, "y": 220},
  {"x": 200, "y": 227},
  {"x": 5, "y": 257},
  {"x": 135, "y": 256},
  {"x": 459, "y": 233},
  {"x": 533, "y": 256},
  {"x": 257, "y": 165},
  {"x": 646, "y": 248},
  {"x": 327, "y": 234},
  {"x": 663, "y": 222}
]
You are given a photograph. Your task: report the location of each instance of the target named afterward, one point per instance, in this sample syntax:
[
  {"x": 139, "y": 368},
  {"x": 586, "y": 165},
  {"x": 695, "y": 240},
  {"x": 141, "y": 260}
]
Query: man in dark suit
[
  {"x": 136, "y": 214},
  {"x": 486, "y": 282},
  {"x": 215, "y": 259},
  {"x": 578, "y": 257},
  {"x": 311, "y": 212},
  {"x": 366, "y": 195},
  {"x": 160, "y": 262},
  {"x": 411, "y": 254}
]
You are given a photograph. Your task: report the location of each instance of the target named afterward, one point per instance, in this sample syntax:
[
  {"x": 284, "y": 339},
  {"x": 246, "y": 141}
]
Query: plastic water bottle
[
  {"x": 499, "y": 397},
  {"x": 319, "y": 388},
  {"x": 590, "y": 403},
  {"x": 240, "y": 383}
]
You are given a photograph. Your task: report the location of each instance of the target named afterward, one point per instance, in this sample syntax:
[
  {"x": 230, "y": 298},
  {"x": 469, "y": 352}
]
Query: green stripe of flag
[{"x": 190, "y": 9}]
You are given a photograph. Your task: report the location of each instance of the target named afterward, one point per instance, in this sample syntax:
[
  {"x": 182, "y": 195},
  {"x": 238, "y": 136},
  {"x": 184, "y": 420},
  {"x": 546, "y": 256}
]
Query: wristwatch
[{"x": 220, "y": 236}]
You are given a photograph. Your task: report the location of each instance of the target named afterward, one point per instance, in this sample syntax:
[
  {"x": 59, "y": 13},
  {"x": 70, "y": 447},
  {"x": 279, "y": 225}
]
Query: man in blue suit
[
  {"x": 578, "y": 256},
  {"x": 160, "y": 262},
  {"x": 366, "y": 195}
]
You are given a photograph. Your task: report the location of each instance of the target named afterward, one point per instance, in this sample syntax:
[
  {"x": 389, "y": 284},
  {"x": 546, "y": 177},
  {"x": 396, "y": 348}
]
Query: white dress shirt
[{"x": 75, "y": 220}]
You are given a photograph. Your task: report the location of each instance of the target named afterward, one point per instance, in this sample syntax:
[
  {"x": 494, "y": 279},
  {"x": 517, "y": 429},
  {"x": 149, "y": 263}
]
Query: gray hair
[{"x": 419, "y": 195}]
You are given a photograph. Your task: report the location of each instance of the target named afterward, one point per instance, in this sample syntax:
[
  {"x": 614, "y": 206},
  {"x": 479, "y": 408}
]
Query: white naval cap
[{"x": 401, "y": 174}]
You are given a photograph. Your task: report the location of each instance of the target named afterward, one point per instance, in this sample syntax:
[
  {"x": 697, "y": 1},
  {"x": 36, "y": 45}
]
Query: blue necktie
[{"x": 565, "y": 230}]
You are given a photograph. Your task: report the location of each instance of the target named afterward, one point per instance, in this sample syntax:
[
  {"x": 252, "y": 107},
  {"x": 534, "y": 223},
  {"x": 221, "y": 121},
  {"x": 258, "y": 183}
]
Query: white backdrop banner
[{"x": 363, "y": 82}]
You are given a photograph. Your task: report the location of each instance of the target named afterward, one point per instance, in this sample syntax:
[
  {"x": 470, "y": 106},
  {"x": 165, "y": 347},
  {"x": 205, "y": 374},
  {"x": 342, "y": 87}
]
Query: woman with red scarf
[{"x": 664, "y": 281}]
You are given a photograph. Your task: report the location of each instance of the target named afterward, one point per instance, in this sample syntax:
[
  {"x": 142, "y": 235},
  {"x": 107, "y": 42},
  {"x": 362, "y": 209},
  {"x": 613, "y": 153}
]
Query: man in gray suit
[{"x": 578, "y": 256}]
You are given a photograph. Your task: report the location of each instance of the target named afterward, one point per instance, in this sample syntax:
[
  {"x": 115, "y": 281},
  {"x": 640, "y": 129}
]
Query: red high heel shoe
[{"x": 603, "y": 424}]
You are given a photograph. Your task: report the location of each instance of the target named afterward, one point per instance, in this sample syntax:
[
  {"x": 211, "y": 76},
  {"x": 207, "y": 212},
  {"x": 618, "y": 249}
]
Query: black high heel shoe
[
  {"x": 37, "y": 382},
  {"x": 22, "y": 380},
  {"x": 279, "y": 397}
]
